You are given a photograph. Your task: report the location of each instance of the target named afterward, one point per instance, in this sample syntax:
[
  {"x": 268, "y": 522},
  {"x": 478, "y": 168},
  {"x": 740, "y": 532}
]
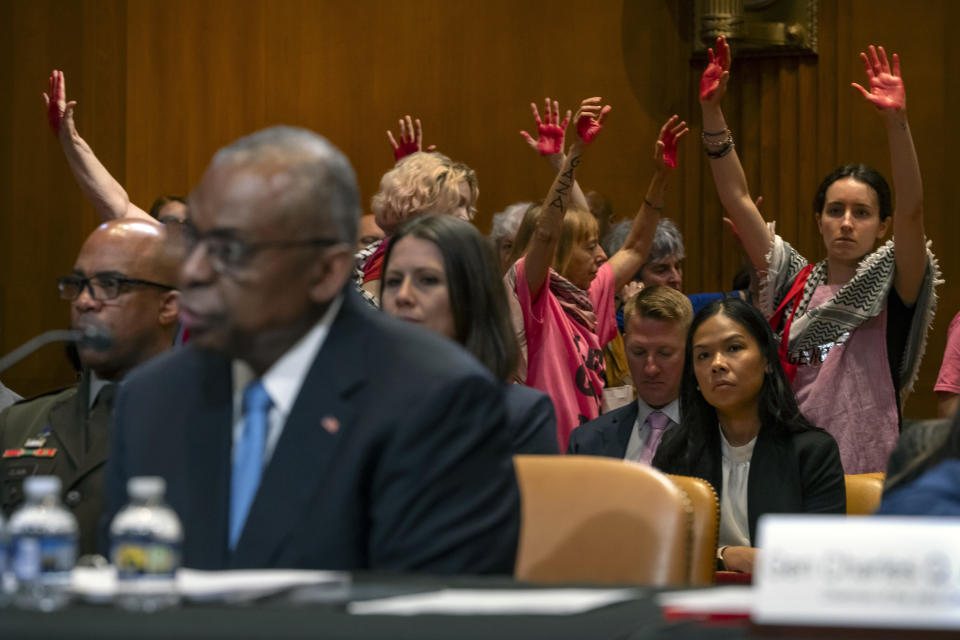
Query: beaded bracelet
[
  {"x": 717, "y": 143},
  {"x": 719, "y": 153}
]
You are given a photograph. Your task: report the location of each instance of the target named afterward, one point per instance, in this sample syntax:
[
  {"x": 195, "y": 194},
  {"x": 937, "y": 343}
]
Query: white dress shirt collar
[{"x": 284, "y": 378}]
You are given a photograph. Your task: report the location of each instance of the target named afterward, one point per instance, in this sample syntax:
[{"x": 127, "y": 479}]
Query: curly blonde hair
[{"x": 420, "y": 183}]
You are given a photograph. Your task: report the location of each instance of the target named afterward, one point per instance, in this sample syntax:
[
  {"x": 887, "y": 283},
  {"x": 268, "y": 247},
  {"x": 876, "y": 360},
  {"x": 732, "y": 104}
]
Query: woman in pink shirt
[
  {"x": 852, "y": 328},
  {"x": 564, "y": 283}
]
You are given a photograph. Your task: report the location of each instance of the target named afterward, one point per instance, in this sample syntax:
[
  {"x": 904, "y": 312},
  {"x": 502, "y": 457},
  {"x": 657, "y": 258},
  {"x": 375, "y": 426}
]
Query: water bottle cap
[
  {"x": 40, "y": 486},
  {"x": 145, "y": 487}
]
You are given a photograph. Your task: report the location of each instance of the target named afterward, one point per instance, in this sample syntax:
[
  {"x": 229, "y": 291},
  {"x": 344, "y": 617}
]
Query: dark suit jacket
[
  {"x": 533, "y": 421},
  {"x": 79, "y": 467},
  {"x": 417, "y": 477},
  {"x": 607, "y": 435},
  {"x": 799, "y": 473}
]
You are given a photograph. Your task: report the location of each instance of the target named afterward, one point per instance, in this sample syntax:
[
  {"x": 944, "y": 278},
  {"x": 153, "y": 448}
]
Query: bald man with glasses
[
  {"x": 124, "y": 283},
  {"x": 300, "y": 428}
]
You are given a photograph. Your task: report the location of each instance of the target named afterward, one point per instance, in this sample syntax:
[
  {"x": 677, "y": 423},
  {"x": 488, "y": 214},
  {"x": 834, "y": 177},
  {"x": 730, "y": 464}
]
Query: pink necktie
[{"x": 658, "y": 424}]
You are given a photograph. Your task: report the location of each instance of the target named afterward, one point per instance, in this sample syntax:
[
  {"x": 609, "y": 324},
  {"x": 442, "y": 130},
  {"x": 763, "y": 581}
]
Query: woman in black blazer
[
  {"x": 741, "y": 431},
  {"x": 439, "y": 272}
]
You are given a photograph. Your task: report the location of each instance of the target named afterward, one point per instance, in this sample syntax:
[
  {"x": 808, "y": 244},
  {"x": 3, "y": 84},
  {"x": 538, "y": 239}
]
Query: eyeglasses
[
  {"x": 229, "y": 253},
  {"x": 103, "y": 286}
]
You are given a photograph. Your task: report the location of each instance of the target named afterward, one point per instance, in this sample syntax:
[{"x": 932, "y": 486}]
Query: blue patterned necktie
[{"x": 248, "y": 457}]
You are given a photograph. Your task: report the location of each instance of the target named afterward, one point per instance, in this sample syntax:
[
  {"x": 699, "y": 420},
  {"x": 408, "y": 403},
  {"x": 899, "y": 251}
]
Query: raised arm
[
  {"x": 887, "y": 94},
  {"x": 549, "y": 143},
  {"x": 108, "y": 197},
  {"x": 546, "y": 236},
  {"x": 725, "y": 164},
  {"x": 628, "y": 260},
  {"x": 411, "y": 140}
]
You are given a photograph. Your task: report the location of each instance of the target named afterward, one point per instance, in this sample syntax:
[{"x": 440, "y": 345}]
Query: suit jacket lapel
[
  {"x": 617, "y": 437},
  {"x": 66, "y": 420},
  {"x": 768, "y": 462},
  {"x": 313, "y": 430},
  {"x": 209, "y": 445}
]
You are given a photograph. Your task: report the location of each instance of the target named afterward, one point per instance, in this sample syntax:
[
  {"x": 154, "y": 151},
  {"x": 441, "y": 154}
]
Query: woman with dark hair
[
  {"x": 852, "y": 328},
  {"x": 930, "y": 484},
  {"x": 441, "y": 273},
  {"x": 742, "y": 431}
]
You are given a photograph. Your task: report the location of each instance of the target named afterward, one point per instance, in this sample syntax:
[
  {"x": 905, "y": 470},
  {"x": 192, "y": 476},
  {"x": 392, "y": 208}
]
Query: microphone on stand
[{"x": 91, "y": 336}]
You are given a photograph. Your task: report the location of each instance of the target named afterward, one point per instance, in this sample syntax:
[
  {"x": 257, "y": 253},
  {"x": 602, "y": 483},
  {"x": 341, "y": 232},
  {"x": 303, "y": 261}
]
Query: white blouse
[{"x": 734, "y": 525}]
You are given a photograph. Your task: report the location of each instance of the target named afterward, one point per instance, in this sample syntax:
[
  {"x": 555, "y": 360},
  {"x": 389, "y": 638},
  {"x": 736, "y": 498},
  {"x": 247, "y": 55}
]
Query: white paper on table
[
  {"x": 100, "y": 584},
  {"x": 727, "y": 600},
  {"x": 493, "y": 602}
]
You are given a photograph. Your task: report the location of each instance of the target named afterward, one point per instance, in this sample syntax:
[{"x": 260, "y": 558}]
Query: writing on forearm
[{"x": 564, "y": 184}]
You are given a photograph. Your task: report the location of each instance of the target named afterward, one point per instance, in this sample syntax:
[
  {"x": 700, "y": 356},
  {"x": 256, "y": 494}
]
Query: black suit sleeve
[
  {"x": 115, "y": 483},
  {"x": 535, "y": 424},
  {"x": 444, "y": 497},
  {"x": 821, "y": 474}
]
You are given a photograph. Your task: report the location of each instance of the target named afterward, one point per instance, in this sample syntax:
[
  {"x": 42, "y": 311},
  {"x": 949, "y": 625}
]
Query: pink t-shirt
[
  {"x": 949, "y": 378},
  {"x": 564, "y": 358},
  {"x": 845, "y": 388}
]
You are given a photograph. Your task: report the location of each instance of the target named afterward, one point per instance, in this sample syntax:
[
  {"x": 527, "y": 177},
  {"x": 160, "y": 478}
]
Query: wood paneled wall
[{"x": 161, "y": 84}]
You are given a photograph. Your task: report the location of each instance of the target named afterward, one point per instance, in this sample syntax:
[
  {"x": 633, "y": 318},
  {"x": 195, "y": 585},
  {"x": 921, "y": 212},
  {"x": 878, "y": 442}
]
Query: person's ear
[
  {"x": 169, "y": 308},
  {"x": 883, "y": 226},
  {"x": 330, "y": 272}
]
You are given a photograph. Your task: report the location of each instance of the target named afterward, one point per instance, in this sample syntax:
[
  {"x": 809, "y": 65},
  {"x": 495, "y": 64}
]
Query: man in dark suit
[
  {"x": 123, "y": 282},
  {"x": 299, "y": 427},
  {"x": 655, "y": 330}
]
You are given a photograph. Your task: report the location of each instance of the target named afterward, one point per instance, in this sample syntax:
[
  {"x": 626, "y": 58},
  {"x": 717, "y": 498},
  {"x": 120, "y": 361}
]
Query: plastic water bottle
[
  {"x": 43, "y": 546},
  {"x": 145, "y": 540}
]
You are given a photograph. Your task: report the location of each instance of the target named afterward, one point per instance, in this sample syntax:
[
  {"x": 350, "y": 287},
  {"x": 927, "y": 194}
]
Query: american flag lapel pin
[{"x": 331, "y": 424}]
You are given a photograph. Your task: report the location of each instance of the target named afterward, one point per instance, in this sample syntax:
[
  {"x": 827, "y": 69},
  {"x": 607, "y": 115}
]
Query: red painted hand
[
  {"x": 590, "y": 117},
  {"x": 550, "y": 135},
  {"x": 886, "y": 85},
  {"x": 410, "y": 141},
  {"x": 670, "y": 133},
  {"x": 713, "y": 81},
  {"x": 56, "y": 101}
]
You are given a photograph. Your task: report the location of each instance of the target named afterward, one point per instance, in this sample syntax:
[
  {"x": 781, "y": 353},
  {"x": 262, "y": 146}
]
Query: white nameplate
[{"x": 873, "y": 571}]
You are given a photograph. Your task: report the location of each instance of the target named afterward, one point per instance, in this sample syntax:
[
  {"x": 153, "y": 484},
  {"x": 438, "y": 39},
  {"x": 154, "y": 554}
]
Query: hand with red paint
[
  {"x": 665, "y": 152},
  {"x": 550, "y": 134},
  {"x": 58, "y": 109},
  {"x": 886, "y": 84},
  {"x": 590, "y": 118},
  {"x": 713, "y": 82},
  {"x": 411, "y": 141}
]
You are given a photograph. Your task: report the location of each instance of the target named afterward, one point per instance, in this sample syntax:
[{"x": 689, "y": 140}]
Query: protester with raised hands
[
  {"x": 852, "y": 327},
  {"x": 421, "y": 182},
  {"x": 411, "y": 140},
  {"x": 565, "y": 286},
  {"x": 107, "y": 195}
]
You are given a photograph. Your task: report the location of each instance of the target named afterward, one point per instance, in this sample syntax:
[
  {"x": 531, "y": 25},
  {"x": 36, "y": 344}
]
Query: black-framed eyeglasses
[
  {"x": 103, "y": 286},
  {"x": 226, "y": 252}
]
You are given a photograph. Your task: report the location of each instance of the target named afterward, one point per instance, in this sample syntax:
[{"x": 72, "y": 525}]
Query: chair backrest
[
  {"x": 704, "y": 527},
  {"x": 600, "y": 520},
  {"x": 864, "y": 491}
]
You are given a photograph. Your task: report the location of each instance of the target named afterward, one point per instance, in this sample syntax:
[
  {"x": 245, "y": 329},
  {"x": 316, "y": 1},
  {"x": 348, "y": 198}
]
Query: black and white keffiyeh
[{"x": 860, "y": 299}]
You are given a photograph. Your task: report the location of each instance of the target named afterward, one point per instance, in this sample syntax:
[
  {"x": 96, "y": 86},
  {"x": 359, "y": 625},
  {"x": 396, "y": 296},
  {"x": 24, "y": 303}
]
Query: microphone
[{"x": 91, "y": 336}]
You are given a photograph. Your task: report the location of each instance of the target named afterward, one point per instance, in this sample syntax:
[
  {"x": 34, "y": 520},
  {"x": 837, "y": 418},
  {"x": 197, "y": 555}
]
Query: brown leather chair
[
  {"x": 600, "y": 520},
  {"x": 704, "y": 527},
  {"x": 864, "y": 491}
]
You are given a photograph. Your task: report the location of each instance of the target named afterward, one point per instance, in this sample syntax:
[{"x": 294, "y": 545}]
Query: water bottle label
[
  {"x": 36, "y": 556},
  {"x": 143, "y": 556}
]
